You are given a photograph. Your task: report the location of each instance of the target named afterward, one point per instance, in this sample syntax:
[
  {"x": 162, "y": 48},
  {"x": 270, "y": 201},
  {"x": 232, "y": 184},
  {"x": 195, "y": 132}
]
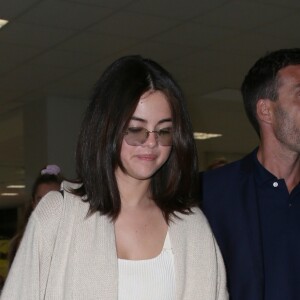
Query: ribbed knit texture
[
  {"x": 148, "y": 279},
  {"x": 66, "y": 255}
]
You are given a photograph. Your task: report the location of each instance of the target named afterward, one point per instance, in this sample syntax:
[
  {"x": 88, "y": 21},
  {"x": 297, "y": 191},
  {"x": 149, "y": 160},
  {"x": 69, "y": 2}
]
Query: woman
[
  {"x": 49, "y": 179},
  {"x": 129, "y": 229}
]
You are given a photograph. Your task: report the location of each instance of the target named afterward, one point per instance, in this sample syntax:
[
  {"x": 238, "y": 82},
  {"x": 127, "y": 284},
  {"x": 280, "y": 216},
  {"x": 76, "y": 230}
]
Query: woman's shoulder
[
  {"x": 195, "y": 216},
  {"x": 50, "y": 206},
  {"x": 53, "y": 204}
]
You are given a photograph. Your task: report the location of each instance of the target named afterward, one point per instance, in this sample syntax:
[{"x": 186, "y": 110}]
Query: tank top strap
[{"x": 167, "y": 243}]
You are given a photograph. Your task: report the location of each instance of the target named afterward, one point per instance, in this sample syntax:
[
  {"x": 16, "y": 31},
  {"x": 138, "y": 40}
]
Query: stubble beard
[{"x": 286, "y": 130}]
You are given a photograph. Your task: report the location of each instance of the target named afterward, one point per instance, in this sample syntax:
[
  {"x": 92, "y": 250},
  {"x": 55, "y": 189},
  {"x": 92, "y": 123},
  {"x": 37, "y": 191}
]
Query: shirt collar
[{"x": 262, "y": 175}]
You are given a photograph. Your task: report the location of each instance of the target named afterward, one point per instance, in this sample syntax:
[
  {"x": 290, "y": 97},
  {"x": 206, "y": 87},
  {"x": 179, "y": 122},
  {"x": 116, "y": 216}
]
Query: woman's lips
[{"x": 148, "y": 157}]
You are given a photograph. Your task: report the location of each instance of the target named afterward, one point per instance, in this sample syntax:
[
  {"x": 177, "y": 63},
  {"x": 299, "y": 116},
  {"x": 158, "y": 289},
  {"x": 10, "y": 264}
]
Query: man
[{"x": 253, "y": 205}]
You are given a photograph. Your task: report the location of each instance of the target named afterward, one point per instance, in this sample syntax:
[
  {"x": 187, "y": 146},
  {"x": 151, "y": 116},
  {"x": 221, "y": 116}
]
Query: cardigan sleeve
[
  {"x": 27, "y": 278},
  {"x": 222, "y": 293},
  {"x": 200, "y": 272}
]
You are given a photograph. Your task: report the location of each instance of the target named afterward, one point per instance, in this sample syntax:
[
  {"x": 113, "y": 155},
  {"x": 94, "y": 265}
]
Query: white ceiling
[{"x": 60, "y": 47}]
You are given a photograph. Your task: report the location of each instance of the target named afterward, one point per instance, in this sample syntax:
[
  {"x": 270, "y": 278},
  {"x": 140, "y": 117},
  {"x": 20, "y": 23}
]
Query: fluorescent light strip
[
  {"x": 16, "y": 186},
  {"x": 3, "y": 22},
  {"x": 205, "y": 135},
  {"x": 9, "y": 194}
]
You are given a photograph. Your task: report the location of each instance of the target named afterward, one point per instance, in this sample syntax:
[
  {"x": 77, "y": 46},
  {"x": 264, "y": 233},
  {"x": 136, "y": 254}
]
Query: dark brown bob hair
[{"x": 113, "y": 102}]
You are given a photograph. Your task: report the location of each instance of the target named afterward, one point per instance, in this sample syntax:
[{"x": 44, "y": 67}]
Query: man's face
[{"x": 287, "y": 108}]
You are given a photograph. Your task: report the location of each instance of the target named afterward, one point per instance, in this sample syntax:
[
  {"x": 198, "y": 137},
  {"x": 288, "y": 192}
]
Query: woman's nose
[{"x": 152, "y": 139}]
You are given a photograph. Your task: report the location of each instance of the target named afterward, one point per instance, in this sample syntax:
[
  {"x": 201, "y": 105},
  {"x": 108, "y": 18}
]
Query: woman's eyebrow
[
  {"x": 145, "y": 121},
  {"x": 165, "y": 120},
  {"x": 138, "y": 119}
]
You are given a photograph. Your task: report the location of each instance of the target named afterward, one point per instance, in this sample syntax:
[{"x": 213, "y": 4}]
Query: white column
[{"x": 51, "y": 127}]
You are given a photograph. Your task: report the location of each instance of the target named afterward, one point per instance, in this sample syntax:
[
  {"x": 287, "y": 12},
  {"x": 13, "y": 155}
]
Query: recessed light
[
  {"x": 3, "y": 22},
  {"x": 205, "y": 135},
  {"x": 16, "y": 186}
]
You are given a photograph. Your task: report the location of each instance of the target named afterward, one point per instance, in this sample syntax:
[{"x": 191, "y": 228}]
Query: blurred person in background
[{"x": 49, "y": 179}]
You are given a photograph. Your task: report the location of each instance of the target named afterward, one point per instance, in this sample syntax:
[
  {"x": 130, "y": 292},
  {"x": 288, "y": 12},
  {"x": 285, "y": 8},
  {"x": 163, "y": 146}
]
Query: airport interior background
[{"x": 53, "y": 51}]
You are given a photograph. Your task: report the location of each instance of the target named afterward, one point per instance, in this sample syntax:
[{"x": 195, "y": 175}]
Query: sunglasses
[{"x": 136, "y": 136}]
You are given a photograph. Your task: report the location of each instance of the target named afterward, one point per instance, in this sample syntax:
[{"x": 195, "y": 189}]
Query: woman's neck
[{"x": 133, "y": 192}]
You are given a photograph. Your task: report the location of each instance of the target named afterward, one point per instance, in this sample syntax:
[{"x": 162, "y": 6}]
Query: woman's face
[
  {"x": 42, "y": 190},
  {"x": 141, "y": 158}
]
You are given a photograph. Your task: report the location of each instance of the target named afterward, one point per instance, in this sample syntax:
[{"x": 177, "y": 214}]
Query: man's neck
[{"x": 281, "y": 162}]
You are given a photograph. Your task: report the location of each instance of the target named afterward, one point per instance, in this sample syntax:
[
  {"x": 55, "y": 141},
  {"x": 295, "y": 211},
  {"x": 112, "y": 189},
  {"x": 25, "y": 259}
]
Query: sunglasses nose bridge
[{"x": 156, "y": 135}]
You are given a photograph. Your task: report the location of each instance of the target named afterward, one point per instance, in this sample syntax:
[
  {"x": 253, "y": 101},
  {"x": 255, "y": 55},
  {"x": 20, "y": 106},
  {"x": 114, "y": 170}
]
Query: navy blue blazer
[{"x": 229, "y": 201}]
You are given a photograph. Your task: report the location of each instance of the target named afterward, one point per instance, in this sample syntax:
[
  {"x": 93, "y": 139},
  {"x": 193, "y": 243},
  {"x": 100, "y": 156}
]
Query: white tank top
[{"x": 148, "y": 279}]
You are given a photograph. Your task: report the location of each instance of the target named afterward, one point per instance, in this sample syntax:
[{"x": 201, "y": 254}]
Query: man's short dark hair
[{"x": 261, "y": 82}]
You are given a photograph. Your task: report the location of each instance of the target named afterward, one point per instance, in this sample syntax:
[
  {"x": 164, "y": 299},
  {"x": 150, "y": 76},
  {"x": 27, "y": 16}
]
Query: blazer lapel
[{"x": 252, "y": 220}]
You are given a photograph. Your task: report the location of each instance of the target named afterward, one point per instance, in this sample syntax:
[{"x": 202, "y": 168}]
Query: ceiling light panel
[{"x": 3, "y": 22}]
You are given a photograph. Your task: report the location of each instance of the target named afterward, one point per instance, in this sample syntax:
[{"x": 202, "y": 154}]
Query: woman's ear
[{"x": 264, "y": 110}]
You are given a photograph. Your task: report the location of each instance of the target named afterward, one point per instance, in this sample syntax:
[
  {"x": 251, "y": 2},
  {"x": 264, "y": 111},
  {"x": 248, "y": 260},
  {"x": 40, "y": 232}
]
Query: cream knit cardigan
[{"x": 65, "y": 255}]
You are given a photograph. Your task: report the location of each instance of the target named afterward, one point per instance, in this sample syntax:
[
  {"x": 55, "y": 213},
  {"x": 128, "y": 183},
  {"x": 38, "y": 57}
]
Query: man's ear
[{"x": 264, "y": 110}]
